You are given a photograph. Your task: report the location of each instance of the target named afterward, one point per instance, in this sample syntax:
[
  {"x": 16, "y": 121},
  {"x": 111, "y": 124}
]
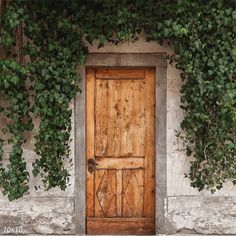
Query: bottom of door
[{"x": 141, "y": 226}]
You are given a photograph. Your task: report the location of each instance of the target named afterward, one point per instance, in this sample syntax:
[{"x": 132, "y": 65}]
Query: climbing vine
[
  {"x": 13, "y": 177},
  {"x": 41, "y": 79}
]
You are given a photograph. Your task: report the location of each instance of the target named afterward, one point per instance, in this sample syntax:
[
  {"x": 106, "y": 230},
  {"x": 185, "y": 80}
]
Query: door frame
[{"x": 157, "y": 60}]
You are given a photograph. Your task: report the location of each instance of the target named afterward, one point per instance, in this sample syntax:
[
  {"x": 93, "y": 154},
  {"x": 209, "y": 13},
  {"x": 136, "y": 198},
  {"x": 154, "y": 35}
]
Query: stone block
[
  {"x": 38, "y": 216},
  {"x": 202, "y": 215}
]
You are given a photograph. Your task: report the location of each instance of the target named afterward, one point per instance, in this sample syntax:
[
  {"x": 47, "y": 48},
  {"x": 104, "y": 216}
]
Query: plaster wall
[{"x": 186, "y": 209}]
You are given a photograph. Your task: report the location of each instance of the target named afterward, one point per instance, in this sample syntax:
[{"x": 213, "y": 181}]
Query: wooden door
[{"x": 120, "y": 135}]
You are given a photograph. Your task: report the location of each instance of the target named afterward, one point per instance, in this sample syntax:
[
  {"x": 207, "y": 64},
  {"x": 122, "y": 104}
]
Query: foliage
[
  {"x": 202, "y": 34},
  {"x": 13, "y": 177}
]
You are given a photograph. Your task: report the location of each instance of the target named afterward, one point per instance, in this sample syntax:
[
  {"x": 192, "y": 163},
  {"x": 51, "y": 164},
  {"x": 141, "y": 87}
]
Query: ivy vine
[
  {"x": 14, "y": 176},
  {"x": 202, "y": 34}
]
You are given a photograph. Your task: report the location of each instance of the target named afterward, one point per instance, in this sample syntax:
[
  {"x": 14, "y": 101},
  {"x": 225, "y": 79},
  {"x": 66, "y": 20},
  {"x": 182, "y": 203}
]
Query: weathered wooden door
[{"x": 120, "y": 135}]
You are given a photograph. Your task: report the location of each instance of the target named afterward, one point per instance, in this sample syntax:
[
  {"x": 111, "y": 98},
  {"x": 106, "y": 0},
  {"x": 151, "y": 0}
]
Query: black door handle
[{"x": 91, "y": 165}]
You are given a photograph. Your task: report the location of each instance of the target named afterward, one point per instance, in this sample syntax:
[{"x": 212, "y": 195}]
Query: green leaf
[{"x": 15, "y": 79}]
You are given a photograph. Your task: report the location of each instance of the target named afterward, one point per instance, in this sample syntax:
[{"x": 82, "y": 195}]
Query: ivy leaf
[{"x": 15, "y": 80}]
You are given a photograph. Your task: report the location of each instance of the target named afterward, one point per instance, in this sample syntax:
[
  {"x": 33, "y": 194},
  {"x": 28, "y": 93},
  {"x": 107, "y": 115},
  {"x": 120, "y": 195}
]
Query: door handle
[{"x": 91, "y": 165}]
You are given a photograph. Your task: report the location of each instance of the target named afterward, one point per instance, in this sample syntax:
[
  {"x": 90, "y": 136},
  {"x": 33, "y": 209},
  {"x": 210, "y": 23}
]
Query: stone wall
[{"x": 186, "y": 209}]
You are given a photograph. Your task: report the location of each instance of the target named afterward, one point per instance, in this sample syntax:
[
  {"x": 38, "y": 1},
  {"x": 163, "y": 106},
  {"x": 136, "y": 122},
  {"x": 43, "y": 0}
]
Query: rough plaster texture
[{"x": 187, "y": 211}]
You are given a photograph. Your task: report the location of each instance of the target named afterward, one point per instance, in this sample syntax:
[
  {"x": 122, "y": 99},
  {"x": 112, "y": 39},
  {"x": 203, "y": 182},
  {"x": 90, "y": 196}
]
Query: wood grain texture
[
  {"x": 113, "y": 226},
  {"x": 120, "y": 73},
  {"x": 90, "y": 78},
  {"x": 119, "y": 192},
  {"x": 120, "y": 163},
  {"x": 133, "y": 193},
  {"x": 105, "y": 188},
  {"x": 99, "y": 175},
  {"x": 120, "y": 138},
  {"x": 120, "y": 118}
]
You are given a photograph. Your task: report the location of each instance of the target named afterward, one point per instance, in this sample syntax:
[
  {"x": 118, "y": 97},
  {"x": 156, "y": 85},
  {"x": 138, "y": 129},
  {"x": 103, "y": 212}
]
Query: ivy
[
  {"x": 14, "y": 177},
  {"x": 202, "y": 34}
]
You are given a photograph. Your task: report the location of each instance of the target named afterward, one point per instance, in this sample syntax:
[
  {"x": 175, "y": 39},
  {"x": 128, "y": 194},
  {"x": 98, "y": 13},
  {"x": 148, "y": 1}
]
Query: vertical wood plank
[
  {"x": 133, "y": 193},
  {"x": 129, "y": 124},
  {"x": 90, "y": 79},
  {"x": 101, "y": 117},
  {"x": 123, "y": 111},
  {"x": 149, "y": 192},
  {"x": 105, "y": 188},
  {"x": 127, "y": 175},
  {"x": 117, "y": 148},
  {"x": 98, "y": 178},
  {"x": 119, "y": 175},
  {"x": 97, "y": 117},
  {"x": 111, "y": 210},
  {"x": 138, "y": 118},
  {"x": 139, "y": 175},
  {"x": 115, "y": 114}
]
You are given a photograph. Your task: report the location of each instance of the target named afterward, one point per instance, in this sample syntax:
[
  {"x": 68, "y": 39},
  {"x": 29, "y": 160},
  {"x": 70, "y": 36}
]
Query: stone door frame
[{"x": 157, "y": 60}]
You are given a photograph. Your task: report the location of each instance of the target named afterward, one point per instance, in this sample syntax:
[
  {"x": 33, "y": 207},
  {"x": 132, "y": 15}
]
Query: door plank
[
  {"x": 127, "y": 175},
  {"x": 120, "y": 73},
  {"x": 101, "y": 119},
  {"x": 112, "y": 181},
  {"x": 138, "y": 226},
  {"x": 139, "y": 118},
  {"x": 133, "y": 193},
  {"x": 99, "y": 175},
  {"x": 90, "y": 78},
  {"x": 115, "y": 115},
  {"x": 120, "y": 163},
  {"x": 127, "y": 106},
  {"x": 105, "y": 188},
  {"x": 119, "y": 191}
]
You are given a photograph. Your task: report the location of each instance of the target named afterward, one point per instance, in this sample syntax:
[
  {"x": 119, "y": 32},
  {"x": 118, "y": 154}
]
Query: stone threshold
[{"x": 116, "y": 235}]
